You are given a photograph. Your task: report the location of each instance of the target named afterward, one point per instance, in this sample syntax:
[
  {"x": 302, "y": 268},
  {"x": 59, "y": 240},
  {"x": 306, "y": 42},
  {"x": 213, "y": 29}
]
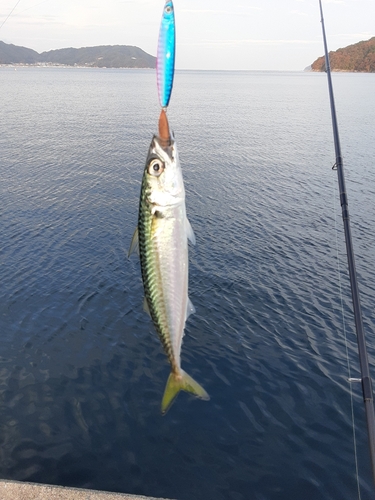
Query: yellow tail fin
[{"x": 181, "y": 382}]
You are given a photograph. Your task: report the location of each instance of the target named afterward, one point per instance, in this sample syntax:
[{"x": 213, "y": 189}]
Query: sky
[{"x": 281, "y": 35}]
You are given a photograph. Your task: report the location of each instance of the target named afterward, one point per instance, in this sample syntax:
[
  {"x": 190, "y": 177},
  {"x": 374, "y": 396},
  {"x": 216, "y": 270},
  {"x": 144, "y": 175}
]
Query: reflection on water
[{"x": 82, "y": 372}]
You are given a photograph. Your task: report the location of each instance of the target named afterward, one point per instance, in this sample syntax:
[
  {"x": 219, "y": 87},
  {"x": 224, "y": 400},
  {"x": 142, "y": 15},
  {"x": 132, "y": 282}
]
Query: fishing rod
[{"x": 362, "y": 350}]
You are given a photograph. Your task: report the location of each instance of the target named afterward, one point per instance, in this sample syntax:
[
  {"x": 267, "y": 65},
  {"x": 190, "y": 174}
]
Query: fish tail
[{"x": 181, "y": 382}]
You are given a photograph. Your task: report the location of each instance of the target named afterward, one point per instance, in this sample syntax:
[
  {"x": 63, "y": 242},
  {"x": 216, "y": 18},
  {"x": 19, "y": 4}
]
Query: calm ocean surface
[{"x": 82, "y": 372}]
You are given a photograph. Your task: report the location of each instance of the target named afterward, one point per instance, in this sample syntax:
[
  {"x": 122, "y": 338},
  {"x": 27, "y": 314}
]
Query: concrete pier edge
[{"x": 18, "y": 490}]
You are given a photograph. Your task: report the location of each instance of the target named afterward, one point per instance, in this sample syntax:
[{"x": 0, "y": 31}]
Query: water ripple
[{"x": 82, "y": 372}]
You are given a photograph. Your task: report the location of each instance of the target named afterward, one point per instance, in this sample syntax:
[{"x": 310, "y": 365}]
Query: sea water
[{"x": 272, "y": 341}]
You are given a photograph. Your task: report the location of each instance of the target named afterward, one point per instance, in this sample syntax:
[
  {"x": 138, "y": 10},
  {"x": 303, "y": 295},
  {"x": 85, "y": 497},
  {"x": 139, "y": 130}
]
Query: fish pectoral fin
[
  {"x": 134, "y": 245},
  {"x": 190, "y": 309},
  {"x": 181, "y": 382},
  {"x": 145, "y": 306},
  {"x": 189, "y": 231}
]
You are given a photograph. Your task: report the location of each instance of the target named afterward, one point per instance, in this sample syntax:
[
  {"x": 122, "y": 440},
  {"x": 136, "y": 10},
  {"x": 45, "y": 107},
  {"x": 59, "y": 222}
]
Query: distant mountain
[
  {"x": 104, "y": 56},
  {"x": 359, "y": 57},
  {"x": 10, "y": 53}
]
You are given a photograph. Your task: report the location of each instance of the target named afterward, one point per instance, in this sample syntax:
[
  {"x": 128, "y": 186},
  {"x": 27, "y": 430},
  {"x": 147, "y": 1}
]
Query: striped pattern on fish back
[{"x": 151, "y": 272}]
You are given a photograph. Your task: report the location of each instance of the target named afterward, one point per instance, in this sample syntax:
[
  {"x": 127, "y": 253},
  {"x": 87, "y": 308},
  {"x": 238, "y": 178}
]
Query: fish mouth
[{"x": 162, "y": 144}]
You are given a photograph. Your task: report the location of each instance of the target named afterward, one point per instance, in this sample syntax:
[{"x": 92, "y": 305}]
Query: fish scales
[
  {"x": 163, "y": 292},
  {"x": 151, "y": 272}
]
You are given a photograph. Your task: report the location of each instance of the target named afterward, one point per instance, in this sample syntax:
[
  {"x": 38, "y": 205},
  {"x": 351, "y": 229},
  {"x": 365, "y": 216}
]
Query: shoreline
[{"x": 69, "y": 66}]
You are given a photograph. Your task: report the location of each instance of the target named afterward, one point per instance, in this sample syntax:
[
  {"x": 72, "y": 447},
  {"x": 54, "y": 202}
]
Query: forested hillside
[
  {"x": 103, "y": 56},
  {"x": 359, "y": 57}
]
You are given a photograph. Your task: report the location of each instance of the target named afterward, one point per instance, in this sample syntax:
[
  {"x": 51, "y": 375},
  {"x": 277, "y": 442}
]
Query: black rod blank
[{"x": 362, "y": 350}]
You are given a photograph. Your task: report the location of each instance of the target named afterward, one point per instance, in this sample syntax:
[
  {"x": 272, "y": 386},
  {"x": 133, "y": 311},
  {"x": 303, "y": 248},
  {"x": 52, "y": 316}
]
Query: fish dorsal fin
[
  {"x": 190, "y": 309},
  {"x": 189, "y": 231},
  {"x": 134, "y": 245},
  {"x": 145, "y": 306}
]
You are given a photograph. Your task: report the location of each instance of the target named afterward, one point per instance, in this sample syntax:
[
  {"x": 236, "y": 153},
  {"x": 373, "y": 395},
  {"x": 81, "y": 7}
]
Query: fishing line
[
  {"x": 32, "y": 6},
  {"x": 350, "y": 379},
  {"x": 10, "y": 13},
  {"x": 364, "y": 365}
]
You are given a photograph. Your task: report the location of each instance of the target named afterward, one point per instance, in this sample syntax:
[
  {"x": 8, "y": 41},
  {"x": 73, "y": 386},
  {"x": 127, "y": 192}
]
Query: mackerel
[{"x": 161, "y": 239}]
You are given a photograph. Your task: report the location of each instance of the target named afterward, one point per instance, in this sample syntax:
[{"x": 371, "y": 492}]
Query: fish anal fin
[
  {"x": 190, "y": 309},
  {"x": 181, "y": 382},
  {"x": 134, "y": 245},
  {"x": 145, "y": 307},
  {"x": 189, "y": 231}
]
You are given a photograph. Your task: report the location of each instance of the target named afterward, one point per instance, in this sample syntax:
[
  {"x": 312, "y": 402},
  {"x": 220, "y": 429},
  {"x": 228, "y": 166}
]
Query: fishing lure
[{"x": 166, "y": 54}]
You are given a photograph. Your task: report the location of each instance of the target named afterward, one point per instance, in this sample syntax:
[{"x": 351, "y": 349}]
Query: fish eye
[
  {"x": 155, "y": 168},
  {"x": 168, "y": 9}
]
